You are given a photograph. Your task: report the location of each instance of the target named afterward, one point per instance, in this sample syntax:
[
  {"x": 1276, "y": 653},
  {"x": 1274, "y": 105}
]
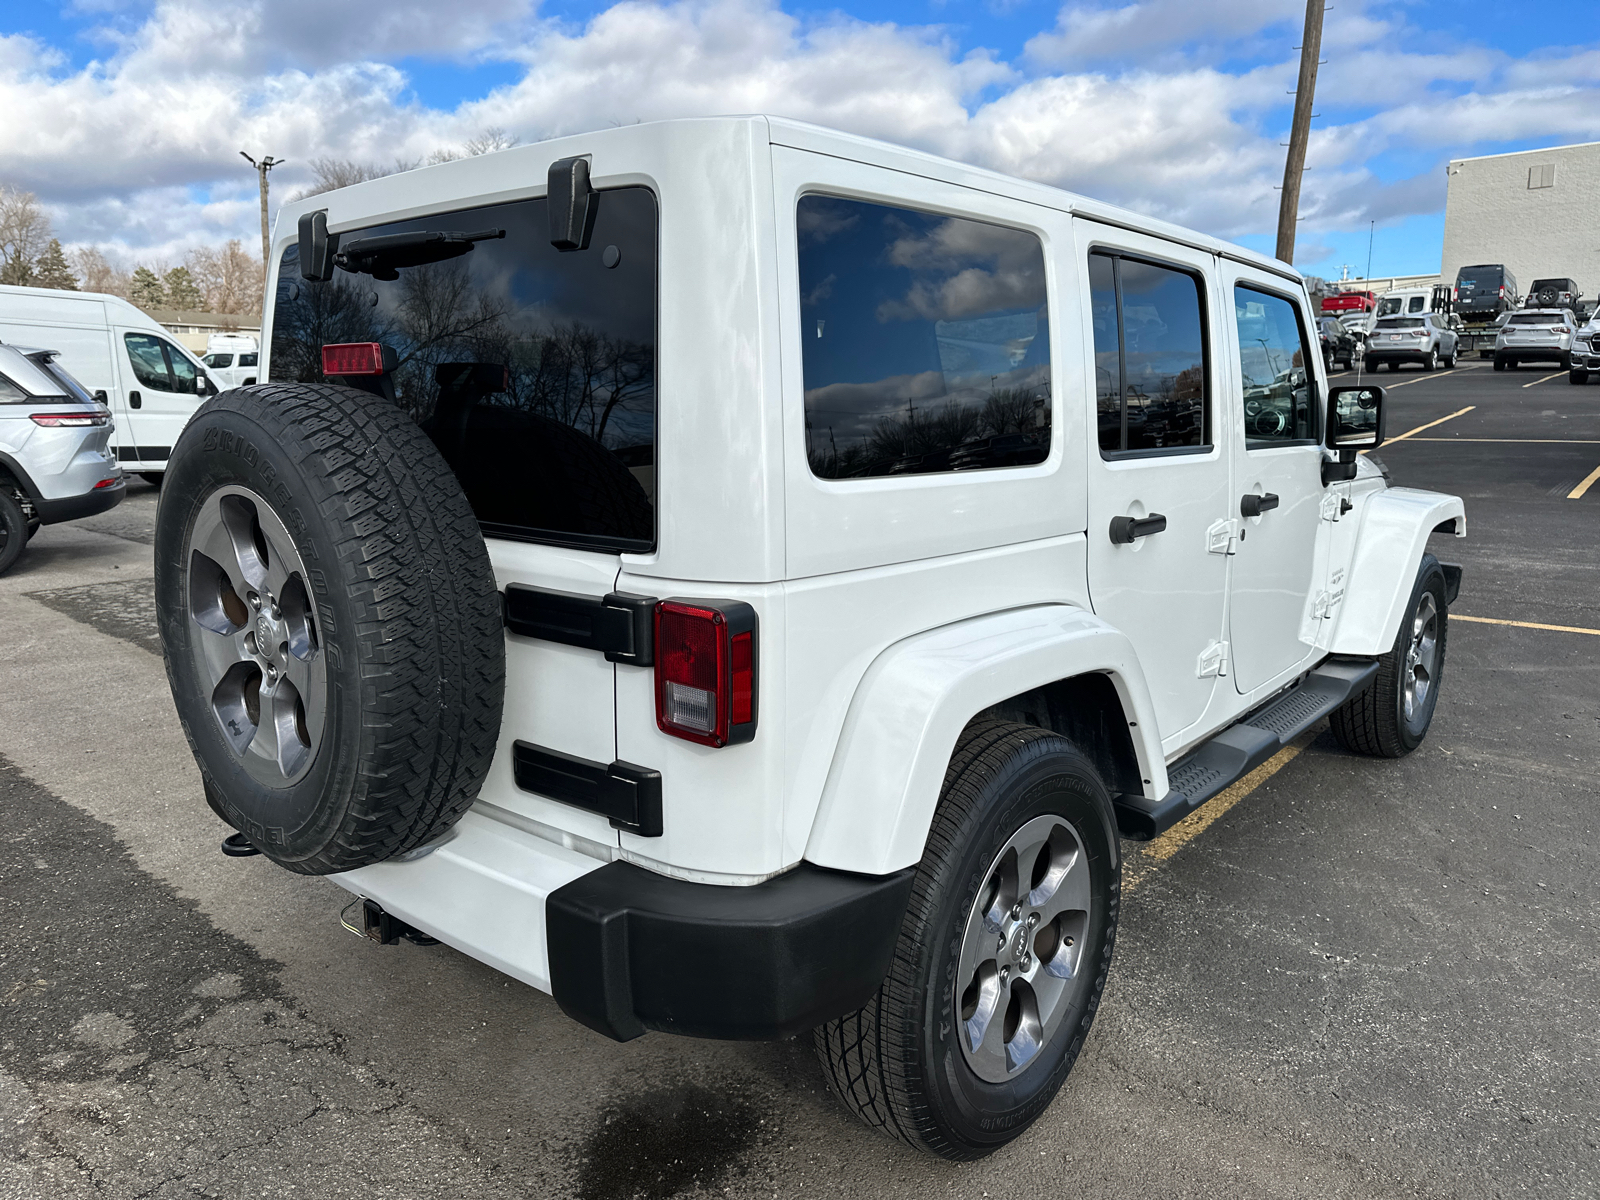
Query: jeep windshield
[{"x": 532, "y": 369}]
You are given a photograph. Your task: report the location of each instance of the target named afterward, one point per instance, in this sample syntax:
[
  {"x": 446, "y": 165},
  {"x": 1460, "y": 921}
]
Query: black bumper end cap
[
  {"x": 53, "y": 512},
  {"x": 631, "y": 950}
]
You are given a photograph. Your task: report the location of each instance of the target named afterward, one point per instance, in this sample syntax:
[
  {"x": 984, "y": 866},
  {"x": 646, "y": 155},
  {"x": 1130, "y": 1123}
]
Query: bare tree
[
  {"x": 230, "y": 280},
  {"x": 330, "y": 173},
  {"x": 24, "y": 234},
  {"x": 98, "y": 273}
]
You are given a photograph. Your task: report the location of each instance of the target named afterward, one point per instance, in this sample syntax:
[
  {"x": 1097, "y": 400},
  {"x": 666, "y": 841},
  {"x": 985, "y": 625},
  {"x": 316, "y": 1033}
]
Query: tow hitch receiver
[{"x": 381, "y": 927}]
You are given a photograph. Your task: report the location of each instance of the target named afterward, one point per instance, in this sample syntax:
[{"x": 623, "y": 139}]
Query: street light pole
[
  {"x": 1300, "y": 132},
  {"x": 266, "y": 164}
]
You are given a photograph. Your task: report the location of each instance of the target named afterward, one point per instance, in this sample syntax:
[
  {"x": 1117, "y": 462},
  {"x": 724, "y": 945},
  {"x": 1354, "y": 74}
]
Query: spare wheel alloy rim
[
  {"x": 1022, "y": 949},
  {"x": 254, "y": 644}
]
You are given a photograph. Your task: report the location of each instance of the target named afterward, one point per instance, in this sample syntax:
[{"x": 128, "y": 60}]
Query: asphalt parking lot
[{"x": 1343, "y": 978}]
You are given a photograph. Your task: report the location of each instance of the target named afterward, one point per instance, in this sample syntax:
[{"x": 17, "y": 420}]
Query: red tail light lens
[
  {"x": 705, "y": 662},
  {"x": 356, "y": 358}
]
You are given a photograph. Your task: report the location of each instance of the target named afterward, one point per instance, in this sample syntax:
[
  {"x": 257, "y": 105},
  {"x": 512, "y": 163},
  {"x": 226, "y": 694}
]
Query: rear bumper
[
  {"x": 631, "y": 950},
  {"x": 1532, "y": 353},
  {"x": 70, "y": 508},
  {"x": 1408, "y": 355},
  {"x": 625, "y": 950}
]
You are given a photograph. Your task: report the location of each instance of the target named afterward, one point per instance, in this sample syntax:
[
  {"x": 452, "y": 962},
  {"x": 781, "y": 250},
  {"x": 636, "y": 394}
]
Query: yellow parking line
[
  {"x": 1588, "y": 482},
  {"x": 1525, "y": 624},
  {"x": 1421, "y": 379},
  {"x": 1546, "y": 379},
  {"x": 1430, "y": 425}
]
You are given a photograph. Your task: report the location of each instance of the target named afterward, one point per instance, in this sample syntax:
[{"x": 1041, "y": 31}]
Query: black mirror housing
[
  {"x": 1355, "y": 418},
  {"x": 572, "y": 204},
  {"x": 317, "y": 247}
]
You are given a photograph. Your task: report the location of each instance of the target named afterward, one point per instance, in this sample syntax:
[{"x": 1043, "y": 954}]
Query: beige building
[
  {"x": 193, "y": 329},
  {"x": 1536, "y": 211}
]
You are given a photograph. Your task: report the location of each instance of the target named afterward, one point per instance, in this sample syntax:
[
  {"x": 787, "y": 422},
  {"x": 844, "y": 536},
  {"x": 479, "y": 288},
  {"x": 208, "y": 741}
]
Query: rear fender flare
[
  {"x": 1395, "y": 525},
  {"x": 919, "y": 694}
]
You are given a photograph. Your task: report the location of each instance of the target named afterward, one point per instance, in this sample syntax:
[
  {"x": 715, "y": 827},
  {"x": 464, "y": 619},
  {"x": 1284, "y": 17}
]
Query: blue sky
[{"x": 126, "y": 118}]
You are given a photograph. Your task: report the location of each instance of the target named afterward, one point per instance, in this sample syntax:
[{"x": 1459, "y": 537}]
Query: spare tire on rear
[{"x": 331, "y": 624}]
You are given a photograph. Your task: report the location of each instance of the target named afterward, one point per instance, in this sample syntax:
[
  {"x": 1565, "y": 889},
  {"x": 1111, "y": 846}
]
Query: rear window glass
[
  {"x": 1536, "y": 318},
  {"x": 1402, "y": 323},
  {"x": 533, "y": 370},
  {"x": 925, "y": 341}
]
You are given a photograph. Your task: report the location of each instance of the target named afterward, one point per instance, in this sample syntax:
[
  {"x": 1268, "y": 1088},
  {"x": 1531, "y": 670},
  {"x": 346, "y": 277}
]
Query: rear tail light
[
  {"x": 706, "y": 670},
  {"x": 56, "y": 420},
  {"x": 357, "y": 358}
]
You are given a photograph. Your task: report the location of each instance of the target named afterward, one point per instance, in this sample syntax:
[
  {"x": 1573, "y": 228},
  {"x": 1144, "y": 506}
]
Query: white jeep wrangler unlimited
[{"x": 741, "y": 578}]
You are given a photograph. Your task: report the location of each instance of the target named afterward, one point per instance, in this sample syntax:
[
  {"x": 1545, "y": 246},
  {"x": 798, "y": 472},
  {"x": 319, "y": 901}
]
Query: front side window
[
  {"x": 1279, "y": 396},
  {"x": 1416, "y": 304},
  {"x": 925, "y": 341},
  {"x": 246, "y": 360},
  {"x": 149, "y": 363},
  {"x": 218, "y": 360},
  {"x": 1388, "y": 306},
  {"x": 532, "y": 369},
  {"x": 1151, "y": 389}
]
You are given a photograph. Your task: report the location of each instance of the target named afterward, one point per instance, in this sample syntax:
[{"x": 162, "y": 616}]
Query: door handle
[
  {"x": 134, "y": 400},
  {"x": 1254, "y": 506},
  {"x": 1126, "y": 529}
]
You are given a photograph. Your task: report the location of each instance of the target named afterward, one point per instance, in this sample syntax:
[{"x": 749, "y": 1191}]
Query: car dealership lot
[{"x": 1362, "y": 978}]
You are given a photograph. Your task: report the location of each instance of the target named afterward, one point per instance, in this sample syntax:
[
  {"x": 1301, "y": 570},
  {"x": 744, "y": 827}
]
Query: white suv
[
  {"x": 741, "y": 578},
  {"x": 1536, "y": 335}
]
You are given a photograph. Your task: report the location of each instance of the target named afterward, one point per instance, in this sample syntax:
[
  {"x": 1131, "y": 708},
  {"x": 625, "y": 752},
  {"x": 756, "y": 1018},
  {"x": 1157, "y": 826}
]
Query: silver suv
[
  {"x": 1536, "y": 335},
  {"x": 54, "y": 461},
  {"x": 1417, "y": 339}
]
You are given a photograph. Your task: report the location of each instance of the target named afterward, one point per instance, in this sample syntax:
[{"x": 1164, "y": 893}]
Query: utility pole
[
  {"x": 1300, "y": 132},
  {"x": 266, "y": 164}
]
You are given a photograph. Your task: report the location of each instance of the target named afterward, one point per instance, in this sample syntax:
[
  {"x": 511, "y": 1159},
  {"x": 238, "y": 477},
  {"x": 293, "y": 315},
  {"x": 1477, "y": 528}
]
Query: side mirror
[{"x": 1355, "y": 418}]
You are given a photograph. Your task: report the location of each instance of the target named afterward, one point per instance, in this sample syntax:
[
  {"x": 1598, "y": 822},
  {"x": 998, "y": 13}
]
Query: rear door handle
[
  {"x": 1254, "y": 506},
  {"x": 1126, "y": 529},
  {"x": 134, "y": 400}
]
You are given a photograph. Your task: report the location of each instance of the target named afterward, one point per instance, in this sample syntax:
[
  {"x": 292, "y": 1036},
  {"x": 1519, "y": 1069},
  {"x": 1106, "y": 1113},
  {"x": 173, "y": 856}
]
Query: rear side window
[
  {"x": 1151, "y": 389},
  {"x": 533, "y": 370},
  {"x": 1416, "y": 304},
  {"x": 925, "y": 341},
  {"x": 10, "y": 393},
  {"x": 1279, "y": 395}
]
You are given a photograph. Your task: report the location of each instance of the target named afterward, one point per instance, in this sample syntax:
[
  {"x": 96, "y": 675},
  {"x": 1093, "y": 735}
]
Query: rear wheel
[
  {"x": 1003, "y": 952},
  {"x": 1499, "y": 363},
  {"x": 13, "y": 531},
  {"x": 1430, "y": 361},
  {"x": 1390, "y": 718},
  {"x": 1371, "y": 364},
  {"x": 330, "y": 622}
]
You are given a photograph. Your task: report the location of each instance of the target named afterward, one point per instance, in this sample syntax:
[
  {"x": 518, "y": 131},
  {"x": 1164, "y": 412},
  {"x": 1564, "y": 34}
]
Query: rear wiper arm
[{"x": 382, "y": 257}]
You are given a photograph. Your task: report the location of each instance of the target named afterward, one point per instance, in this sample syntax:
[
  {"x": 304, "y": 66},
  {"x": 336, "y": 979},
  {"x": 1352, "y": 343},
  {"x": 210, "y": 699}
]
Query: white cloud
[{"x": 1166, "y": 121}]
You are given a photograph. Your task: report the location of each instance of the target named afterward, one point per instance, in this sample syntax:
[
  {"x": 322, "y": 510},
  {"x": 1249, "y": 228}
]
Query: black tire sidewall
[
  {"x": 976, "y": 1114},
  {"x": 221, "y": 447},
  {"x": 15, "y": 525},
  {"x": 1430, "y": 578}
]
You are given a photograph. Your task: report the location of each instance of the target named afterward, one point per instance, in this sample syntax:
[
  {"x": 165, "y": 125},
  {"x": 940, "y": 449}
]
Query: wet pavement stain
[
  {"x": 125, "y": 609},
  {"x": 667, "y": 1141}
]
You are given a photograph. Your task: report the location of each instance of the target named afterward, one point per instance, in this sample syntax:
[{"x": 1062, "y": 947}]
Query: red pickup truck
[{"x": 1348, "y": 302}]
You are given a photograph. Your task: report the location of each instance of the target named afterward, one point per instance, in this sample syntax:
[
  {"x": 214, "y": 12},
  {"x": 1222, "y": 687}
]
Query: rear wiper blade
[{"x": 382, "y": 257}]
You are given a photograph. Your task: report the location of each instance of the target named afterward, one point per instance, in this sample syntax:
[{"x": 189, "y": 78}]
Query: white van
[
  {"x": 231, "y": 359},
  {"x": 135, "y": 367},
  {"x": 1402, "y": 302}
]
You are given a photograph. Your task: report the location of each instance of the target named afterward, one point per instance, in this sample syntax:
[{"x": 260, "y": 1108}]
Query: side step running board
[{"x": 1240, "y": 749}]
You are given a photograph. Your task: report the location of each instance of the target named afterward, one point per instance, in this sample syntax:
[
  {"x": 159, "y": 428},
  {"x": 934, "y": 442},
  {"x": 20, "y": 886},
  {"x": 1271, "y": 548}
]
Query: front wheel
[
  {"x": 1578, "y": 377},
  {"x": 1390, "y": 718},
  {"x": 1003, "y": 953}
]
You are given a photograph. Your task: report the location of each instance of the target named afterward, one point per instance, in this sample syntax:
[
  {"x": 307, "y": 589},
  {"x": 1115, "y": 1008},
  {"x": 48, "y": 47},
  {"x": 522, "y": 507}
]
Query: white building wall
[{"x": 1493, "y": 215}]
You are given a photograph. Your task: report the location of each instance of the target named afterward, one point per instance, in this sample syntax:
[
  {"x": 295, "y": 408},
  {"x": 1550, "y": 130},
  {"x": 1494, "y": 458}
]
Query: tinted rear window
[
  {"x": 1402, "y": 323},
  {"x": 1537, "y": 318},
  {"x": 532, "y": 370},
  {"x": 925, "y": 341}
]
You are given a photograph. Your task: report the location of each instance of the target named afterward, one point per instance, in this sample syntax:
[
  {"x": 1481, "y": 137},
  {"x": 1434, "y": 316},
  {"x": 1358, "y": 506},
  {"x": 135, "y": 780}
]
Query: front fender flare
[
  {"x": 1395, "y": 525},
  {"x": 913, "y": 702}
]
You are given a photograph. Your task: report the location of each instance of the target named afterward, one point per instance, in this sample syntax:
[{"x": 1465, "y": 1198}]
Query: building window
[{"x": 1541, "y": 175}]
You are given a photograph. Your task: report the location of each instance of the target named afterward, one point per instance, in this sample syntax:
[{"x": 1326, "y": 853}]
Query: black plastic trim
[
  {"x": 143, "y": 453},
  {"x": 1452, "y": 581},
  {"x": 631, "y": 950},
  {"x": 53, "y": 512},
  {"x": 621, "y": 625},
  {"x": 629, "y": 795}
]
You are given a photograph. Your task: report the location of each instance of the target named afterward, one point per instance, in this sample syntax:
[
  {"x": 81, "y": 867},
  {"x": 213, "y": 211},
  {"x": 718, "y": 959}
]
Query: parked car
[
  {"x": 151, "y": 384},
  {"x": 1483, "y": 292},
  {"x": 1536, "y": 335},
  {"x": 231, "y": 359},
  {"x": 1342, "y": 303},
  {"x": 680, "y": 586},
  {"x": 55, "y": 461},
  {"x": 1585, "y": 352},
  {"x": 1421, "y": 339},
  {"x": 1554, "y": 293},
  {"x": 1339, "y": 348}
]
